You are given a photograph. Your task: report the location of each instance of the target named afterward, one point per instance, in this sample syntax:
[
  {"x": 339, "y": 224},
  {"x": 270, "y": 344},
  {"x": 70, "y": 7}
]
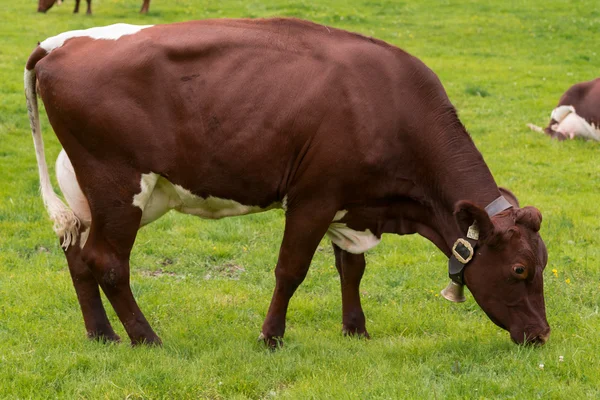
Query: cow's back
[
  {"x": 221, "y": 105},
  {"x": 585, "y": 98}
]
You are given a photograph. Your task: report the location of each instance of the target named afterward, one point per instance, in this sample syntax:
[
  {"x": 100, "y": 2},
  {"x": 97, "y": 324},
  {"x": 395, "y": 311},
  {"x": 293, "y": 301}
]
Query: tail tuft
[{"x": 535, "y": 128}]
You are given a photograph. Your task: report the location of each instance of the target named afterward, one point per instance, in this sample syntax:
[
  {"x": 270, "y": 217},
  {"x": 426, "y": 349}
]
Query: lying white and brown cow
[
  {"x": 577, "y": 114},
  {"x": 45, "y": 5},
  {"x": 352, "y": 137}
]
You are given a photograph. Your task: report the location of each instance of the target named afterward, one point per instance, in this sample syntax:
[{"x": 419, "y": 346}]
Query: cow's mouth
[{"x": 538, "y": 339}]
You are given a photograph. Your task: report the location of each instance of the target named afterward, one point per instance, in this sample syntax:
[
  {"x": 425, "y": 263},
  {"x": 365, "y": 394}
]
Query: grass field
[{"x": 205, "y": 285}]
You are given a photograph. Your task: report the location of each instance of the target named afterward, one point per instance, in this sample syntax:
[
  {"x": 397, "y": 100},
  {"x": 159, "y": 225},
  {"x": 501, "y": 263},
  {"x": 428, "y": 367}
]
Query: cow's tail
[
  {"x": 66, "y": 224},
  {"x": 536, "y": 128}
]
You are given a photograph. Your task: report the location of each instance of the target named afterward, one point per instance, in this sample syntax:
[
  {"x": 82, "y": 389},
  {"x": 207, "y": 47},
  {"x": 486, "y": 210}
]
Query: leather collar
[{"x": 463, "y": 249}]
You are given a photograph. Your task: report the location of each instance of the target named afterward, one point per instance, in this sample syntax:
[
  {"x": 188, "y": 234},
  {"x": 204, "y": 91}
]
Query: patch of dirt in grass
[
  {"x": 227, "y": 270},
  {"x": 160, "y": 273}
]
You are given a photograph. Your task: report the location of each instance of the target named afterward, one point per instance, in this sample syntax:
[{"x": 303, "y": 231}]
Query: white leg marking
[{"x": 111, "y": 32}]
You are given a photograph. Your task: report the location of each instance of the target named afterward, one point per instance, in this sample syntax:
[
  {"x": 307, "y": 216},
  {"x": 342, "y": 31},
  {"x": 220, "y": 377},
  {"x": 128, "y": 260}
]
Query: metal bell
[{"x": 454, "y": 292}]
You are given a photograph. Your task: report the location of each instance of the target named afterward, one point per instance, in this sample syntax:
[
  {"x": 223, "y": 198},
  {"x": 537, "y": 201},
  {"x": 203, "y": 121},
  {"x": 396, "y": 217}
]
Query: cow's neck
[{"x": 456, "y": 171}]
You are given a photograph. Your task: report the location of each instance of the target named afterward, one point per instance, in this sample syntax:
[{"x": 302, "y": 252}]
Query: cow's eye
[{"x": 520, "y": 271}]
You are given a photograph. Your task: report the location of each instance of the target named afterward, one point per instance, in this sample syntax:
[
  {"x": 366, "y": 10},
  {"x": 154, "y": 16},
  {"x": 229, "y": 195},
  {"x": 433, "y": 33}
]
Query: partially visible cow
[
  {"x": 577, "y": 114},
  {"x": 45, "y": 5},
  {"x": 352, "y": 137}
]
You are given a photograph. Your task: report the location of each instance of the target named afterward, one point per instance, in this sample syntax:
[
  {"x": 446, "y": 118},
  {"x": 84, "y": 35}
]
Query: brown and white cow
[
  {"x": 352, "y": 137},
  {"x": 577, "y": 114},
  {"x": 45, "y": 5}
]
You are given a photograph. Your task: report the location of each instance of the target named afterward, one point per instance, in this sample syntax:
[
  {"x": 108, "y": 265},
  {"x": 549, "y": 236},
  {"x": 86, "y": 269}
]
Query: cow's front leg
[
  {"x": 88, "y": 293},
  {"x": 304, "y": 228},
  {"x": 76, "y": 10},
  {"x": 351, "y": 268},
  {"x": 145, "y": 7},
  {"x": 89, "y": 7}
]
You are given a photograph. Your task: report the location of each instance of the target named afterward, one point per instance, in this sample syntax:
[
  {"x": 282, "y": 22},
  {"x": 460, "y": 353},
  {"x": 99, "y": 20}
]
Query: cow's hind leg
[
  {"x": 86, "y": 287},
  {"x": 114, "y": 225},
  {"x": 305, "y": 226},
  {"x": 88, "y": 293},
  {"x": 351, "y": 268}
]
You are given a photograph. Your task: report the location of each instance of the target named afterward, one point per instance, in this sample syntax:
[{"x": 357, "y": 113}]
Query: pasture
[{"x": 205, "y": 286}]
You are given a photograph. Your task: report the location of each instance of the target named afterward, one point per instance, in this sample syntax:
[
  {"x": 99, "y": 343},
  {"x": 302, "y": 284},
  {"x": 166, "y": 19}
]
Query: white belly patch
[
  {"x": 158, "y": 195},
  {"x": 355, "y": 242}
]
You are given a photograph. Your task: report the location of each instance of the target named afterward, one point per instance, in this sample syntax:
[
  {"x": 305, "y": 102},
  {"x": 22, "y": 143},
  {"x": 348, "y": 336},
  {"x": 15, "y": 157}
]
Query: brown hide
[{"x": 279, "y": 111}]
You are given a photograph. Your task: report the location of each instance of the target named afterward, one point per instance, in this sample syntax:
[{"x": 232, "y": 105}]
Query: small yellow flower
[
  {"x": 245, "y": 248},
  {"x": 555, "y": 272},
  {"x": 214, "y": 247},
  {"x": 568, "y": 281}
]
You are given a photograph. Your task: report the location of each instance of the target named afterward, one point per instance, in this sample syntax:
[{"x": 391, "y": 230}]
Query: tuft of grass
[
  {"x": 205, "y": 286},
  {"x": 476, "y": 91}
]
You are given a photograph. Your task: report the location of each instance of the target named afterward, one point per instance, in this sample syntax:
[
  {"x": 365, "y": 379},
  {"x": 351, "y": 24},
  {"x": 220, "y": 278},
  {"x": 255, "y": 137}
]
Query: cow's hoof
[
  {"x": 104, "y": 337},
  {"x": 148, "y": 341},
  {"x": 272, "y": 342},
  {"x": 356, "y": 332}
]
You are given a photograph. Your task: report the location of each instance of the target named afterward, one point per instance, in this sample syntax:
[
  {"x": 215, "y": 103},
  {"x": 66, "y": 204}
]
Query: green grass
[{"x": 205, "y": 286}]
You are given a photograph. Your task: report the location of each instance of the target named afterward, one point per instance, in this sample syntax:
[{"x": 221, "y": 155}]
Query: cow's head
[
  {"x": 505, "y": 274},
  {"x": 45, "y": 5}
]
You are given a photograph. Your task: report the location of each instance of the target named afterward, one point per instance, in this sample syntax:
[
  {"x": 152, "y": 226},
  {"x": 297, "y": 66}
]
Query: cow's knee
[{"x": 110, "y": 272}]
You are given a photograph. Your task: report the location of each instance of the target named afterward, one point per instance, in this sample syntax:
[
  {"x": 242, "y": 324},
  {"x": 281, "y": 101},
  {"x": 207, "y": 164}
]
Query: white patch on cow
[
  {"x": 67, "y": 181},
  {"x": 111, "y": 32},
  {"x": 284, "y": 203},
  {"x": 572, "y": 125},
  {"x": 158, "y": 196},
  {"x": 147, "y": 187},
  {"x": 560, "y": 112},
  {"x": 83, "y": 238},
  {"x": 339, "y": 215},
  {"x": 355, "y": 242}
]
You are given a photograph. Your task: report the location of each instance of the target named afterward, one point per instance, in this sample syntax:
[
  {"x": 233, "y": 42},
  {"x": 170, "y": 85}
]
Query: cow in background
[
  {"x": 577, "y": 114},
  {"x": 45, "y": 5}
]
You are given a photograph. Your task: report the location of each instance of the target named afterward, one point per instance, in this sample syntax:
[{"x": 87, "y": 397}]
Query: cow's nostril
[{"x": 539, "y": 340}]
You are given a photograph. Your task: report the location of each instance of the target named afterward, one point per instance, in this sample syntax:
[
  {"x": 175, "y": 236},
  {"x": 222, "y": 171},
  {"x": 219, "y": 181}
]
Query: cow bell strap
[{"x": 463, "y": 249}]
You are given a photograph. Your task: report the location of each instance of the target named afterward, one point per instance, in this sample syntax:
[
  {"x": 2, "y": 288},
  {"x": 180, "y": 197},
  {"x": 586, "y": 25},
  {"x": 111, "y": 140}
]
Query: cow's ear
[
  {"x": 466, "y": 213},
  {"x": 531, "y": 217}
]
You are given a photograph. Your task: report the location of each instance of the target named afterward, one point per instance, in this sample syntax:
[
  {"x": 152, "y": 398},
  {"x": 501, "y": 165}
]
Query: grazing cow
[
  {"x": 352, "y": 137},
  {"x": 45, "y": 5},
  {"x": 577, "y": 114}
]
